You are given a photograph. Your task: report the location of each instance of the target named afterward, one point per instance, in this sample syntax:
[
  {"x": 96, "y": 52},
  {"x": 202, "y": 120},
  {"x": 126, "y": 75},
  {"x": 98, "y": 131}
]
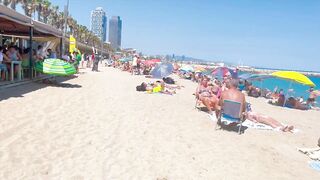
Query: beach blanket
[{"x": 313, "y": 153}]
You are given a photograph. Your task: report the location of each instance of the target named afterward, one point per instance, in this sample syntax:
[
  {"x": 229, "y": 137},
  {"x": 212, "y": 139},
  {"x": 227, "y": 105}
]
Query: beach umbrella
[
  {"x": 162, "y": 70},
  {"x": 294, "y": 77},
  {"x": 207, "y": 72},
  {"x": 125, "y": 60},
  {"x": 151, "y": 62},
  {"x": 199, "y": 69},
  {"x": 187, "y": 68},
  {"x": 221, "y": 72},
  {"x": 254, "y": 77},
  {"x": 56, "y": 67},
  {"x": 245, "y": 76}
]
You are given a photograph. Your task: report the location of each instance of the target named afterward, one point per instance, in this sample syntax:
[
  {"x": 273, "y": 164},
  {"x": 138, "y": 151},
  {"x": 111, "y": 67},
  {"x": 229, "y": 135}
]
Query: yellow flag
[{"x": 72, "y": 45}]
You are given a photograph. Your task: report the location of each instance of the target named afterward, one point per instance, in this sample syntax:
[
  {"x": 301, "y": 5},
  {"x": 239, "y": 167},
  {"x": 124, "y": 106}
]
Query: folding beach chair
[
  {"x": 231, "y": 113},
  {"x": 199, "y": 105}
]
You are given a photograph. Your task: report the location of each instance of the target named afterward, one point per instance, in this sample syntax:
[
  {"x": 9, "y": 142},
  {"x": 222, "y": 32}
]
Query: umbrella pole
[{"x": 260, "y": 87}]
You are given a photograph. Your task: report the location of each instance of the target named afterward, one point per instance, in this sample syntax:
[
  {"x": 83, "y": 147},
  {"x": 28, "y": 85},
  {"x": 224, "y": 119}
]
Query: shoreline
[
  {"x": 249, "y": 69},
  {"x": 269, "y": 71}
]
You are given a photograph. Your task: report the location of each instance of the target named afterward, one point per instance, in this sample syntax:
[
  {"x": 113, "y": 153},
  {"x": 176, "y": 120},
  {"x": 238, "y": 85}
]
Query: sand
[{"x": 97, "y": 126}]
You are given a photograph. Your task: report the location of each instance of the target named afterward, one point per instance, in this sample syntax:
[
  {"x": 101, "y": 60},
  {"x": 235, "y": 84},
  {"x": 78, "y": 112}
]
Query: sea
[{"x": 296, "y": 90}]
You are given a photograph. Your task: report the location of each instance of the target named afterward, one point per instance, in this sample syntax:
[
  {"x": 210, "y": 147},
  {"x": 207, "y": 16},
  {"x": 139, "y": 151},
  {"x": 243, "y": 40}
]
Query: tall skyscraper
[
  {"x": 115, "y": 28},
  {"x": 99, "y": 23}
]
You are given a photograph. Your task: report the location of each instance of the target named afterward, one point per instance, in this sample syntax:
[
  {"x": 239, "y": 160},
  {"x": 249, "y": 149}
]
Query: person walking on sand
[
  {"x": 95, "y": 63},
  {"x": 134, "y": 64}
]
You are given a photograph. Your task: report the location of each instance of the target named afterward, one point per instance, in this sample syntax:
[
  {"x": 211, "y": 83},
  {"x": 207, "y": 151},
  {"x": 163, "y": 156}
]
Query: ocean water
[{"x": 298, "y": 89}]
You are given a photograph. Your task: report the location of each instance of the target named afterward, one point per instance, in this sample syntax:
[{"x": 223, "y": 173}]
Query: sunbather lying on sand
[
  {"x": 260, "y": 118},
  {"x": 293, "y": 103},
  {"x": 157, "y": 87}
]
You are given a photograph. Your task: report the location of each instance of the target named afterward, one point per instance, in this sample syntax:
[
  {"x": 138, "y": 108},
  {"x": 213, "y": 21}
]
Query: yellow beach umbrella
[
  {"x": 294, "y": 76},
  {"x": 199, "y": 69}
]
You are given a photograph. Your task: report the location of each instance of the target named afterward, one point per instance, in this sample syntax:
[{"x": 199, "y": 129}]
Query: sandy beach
[{"x": 96, "y": 126}]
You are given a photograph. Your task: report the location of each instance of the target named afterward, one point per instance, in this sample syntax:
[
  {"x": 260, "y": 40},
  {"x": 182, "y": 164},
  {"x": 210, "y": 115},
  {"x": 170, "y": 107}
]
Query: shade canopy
[
  {"x": 294, "y": 76},
  {"x": 162, "y": 70},
  {"x": 14, "y": 23},
  {"x": 55, "y": 67},
  {"x": 151, "y": 62},
  {"x": 254, "y": 77},
  {"x": 221, "y": 72},
  {"x": 187, "y": 68},
  {"x": 199, "y": 69},
  {"x": 125, "y": 59}
]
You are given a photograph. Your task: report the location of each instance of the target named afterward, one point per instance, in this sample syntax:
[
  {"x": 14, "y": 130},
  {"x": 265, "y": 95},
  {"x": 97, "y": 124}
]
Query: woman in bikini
[{"x": 205, "y": 94}]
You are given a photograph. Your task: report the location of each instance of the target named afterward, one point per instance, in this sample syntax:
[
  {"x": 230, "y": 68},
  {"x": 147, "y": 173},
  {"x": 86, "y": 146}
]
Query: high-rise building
[
  {"x": 99, "y": 23},
  {"x": 115, "y": 28}
]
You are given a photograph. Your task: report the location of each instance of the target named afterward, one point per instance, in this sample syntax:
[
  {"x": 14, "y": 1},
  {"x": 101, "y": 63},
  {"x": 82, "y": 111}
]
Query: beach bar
[
  {"x": 16, "y": 25},
  {"x": 24, "y": 28}
]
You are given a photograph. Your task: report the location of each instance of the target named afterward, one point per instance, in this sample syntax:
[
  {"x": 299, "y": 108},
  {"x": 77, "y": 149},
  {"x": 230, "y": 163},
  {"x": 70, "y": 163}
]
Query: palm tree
[
  {"x": 39, "y": 8},
  {"x": 6, "y": 2},
  {"x": 46, "y": 10},
  {"x": 61, "y": 20},
  {"x": 14, "y": 4},
  {"x": 29, "y": 7},
  {"x": 72, "y": 24},
  {"x": 53, "y": 17},
  {"x": 83, "y": 32}
]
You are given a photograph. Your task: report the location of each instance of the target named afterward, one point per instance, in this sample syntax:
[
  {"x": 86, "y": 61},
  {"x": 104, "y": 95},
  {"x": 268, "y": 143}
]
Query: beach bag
[
  {"x": 141, "y": 88},
  {"x": 168, "y": 80},
  {"x": 138, "y": 88}
]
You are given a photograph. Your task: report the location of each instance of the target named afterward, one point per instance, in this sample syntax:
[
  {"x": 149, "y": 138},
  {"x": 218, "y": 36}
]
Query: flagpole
[{"x": 66, "y": 14}]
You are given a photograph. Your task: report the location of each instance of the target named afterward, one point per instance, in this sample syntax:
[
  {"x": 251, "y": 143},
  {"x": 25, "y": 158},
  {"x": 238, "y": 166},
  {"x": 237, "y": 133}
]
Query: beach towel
[
  {"x": 315, "y": 165},
  {"x": 260, "y": 126},
  {"x": 313, "y": 153},
  {"x": 257, "y": 125},
  {"x": 227, "y": 120}
]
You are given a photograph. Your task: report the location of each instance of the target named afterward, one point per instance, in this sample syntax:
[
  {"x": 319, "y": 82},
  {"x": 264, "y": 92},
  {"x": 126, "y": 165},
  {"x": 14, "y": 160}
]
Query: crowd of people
[
  {"x": 212, "y": 95},
  {"x": 134, "y": 67},
  {"x": 12, "y": 53}
]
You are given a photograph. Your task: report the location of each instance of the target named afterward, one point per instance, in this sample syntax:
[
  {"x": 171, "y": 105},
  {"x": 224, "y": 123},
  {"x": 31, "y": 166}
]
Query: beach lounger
[{"x": 231, "y": 113}]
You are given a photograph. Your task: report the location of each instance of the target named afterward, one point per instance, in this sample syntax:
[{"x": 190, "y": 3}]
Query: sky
[{"x": 272, "y": 33}]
